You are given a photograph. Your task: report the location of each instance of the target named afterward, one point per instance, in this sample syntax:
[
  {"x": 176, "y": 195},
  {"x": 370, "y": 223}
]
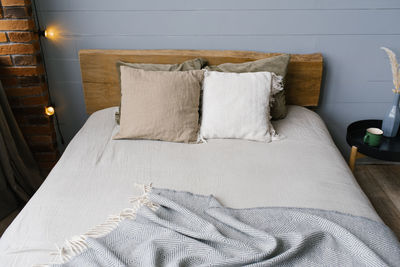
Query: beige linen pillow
[
  {"x": 159, "y": 105},
  {"x": 191, "y": 64}
]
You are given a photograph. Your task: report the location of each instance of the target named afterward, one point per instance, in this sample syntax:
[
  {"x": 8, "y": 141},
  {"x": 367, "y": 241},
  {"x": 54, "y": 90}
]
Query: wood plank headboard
[{"x": 101, "y": 82}]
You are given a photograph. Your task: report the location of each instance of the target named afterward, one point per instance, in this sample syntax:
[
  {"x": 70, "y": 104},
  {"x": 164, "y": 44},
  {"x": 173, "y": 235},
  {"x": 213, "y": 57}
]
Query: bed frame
[{"x": 101, "y": 82}]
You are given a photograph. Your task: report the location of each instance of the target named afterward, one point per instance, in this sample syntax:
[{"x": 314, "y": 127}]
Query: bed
[{"x": 96, "y": 175}]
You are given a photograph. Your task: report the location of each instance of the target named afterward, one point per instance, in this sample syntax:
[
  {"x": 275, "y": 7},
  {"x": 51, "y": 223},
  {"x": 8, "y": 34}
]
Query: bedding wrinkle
[{"x": 108, "y": 137}]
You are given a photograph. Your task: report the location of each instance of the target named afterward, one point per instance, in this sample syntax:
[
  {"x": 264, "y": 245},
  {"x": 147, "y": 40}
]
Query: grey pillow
[
  {"x": 192, "y": 64},
  {"x": 277, "y": 64}
]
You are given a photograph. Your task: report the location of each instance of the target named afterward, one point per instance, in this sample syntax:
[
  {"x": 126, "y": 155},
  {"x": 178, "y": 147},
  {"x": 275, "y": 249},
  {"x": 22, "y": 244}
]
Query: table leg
[{"x": 353, "y": 157}]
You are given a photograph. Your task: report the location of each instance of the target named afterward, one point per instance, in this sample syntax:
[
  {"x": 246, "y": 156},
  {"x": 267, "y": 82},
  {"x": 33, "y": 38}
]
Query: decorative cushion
[
  {"x": 159, "y": 105},
  {"x": 192, "y": 64},
  {"x": 277, "y": 65},
  {"x": 236, "y": 105}
]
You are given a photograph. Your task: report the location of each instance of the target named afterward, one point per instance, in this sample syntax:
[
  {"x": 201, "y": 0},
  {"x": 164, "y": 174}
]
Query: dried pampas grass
[{"x": 395, "y": 69}]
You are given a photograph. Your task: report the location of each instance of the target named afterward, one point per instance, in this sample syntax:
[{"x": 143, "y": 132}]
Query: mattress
[{"x": 96, "y": 175}]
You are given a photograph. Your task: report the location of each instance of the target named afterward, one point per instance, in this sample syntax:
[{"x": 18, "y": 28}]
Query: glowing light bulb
[
  {"x": 49, "y": 110},
  {"x": 49, "y": 33}
]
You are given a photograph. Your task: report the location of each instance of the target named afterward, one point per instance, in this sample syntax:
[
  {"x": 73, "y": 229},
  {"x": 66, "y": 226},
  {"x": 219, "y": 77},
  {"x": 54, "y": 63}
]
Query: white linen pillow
[{"x": 236, "y": 105}]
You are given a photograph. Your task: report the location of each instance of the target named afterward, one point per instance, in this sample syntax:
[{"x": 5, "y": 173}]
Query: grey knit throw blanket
[{"x": 171, "y": 228}]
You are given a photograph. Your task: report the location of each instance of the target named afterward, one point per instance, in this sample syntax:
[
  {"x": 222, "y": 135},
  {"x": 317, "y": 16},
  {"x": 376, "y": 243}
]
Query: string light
[
  {"x": 49, "y": 110},
  {"x": 49, "y": 33}
]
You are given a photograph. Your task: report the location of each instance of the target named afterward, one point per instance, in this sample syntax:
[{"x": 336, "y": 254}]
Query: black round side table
[{"x": 388, "y": 150}]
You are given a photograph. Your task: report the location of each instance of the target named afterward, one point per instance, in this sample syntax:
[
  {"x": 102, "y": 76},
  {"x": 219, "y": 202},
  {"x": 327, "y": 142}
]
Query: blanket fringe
[{"x": 78, "y": 244}]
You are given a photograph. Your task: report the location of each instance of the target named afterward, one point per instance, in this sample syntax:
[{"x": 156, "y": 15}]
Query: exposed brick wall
[{"x": 22, "y": 75}]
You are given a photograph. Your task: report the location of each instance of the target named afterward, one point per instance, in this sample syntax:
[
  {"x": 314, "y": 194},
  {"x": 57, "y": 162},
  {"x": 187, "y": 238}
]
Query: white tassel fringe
[{"x": 77, "y": 244}]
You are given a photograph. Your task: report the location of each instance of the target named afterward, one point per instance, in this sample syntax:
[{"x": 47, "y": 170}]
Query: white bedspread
[{"x": 96, "y": 175}]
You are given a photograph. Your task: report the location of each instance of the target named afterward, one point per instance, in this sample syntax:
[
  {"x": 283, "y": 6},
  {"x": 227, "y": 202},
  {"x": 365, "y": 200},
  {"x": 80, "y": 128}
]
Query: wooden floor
[{"x": 381, "y": 183}]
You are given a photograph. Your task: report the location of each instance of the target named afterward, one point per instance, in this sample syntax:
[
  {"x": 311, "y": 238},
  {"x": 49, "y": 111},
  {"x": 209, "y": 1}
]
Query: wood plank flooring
[{"x": 381, "y": 183}]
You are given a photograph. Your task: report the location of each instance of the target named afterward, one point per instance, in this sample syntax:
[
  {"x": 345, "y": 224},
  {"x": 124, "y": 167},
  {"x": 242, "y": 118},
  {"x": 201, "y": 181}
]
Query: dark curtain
[{"x": 19, "y": 173}]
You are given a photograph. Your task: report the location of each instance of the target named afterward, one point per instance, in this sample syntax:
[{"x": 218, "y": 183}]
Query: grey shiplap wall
[{"x": 357, "y": 82}]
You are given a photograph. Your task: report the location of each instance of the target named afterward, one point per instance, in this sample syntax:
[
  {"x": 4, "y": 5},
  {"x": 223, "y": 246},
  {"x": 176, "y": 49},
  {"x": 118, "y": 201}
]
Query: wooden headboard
[{"x": 101, "y": 82}]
